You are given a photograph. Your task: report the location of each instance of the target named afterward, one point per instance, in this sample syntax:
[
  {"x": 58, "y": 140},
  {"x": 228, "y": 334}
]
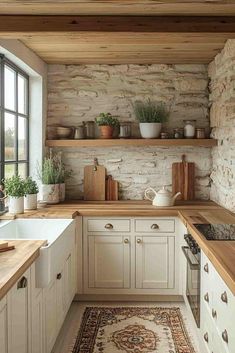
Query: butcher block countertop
[
  {"x": 220, "y": 253},
  {"x": 15, "y": 262}
]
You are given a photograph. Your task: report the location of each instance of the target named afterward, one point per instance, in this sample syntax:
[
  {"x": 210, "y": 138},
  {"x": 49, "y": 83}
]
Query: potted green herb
[
  {"x": 63, "y": 174},
  {"x": 49, "y": 176},
  {"x": 15, "y": 191},
  {"x": 150, "y": 115},
  {"x": 106, "y": 123},
  {"x": 31, "y": 191}
]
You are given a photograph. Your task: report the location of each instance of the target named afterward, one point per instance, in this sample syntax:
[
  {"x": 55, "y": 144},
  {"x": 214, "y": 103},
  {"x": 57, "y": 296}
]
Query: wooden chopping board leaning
[{"x": 183, "y": 179}]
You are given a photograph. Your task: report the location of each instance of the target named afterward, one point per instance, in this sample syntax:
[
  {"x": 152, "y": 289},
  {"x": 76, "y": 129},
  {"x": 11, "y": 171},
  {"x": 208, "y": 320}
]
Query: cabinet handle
[
  {"x": 126, "y": 241},
  {"x": 224, "y": 297},
  {"x": 214, "y": 313},
  {"x": 206, "y": 338},
  {"x": 206, "y": 297},
  {"x": 154, "y": 226},
  {"x": 108, "y": 226},
  {"x": 59, "y": 275},
  {"x": 139, "y": 241},
  {"x": 206, "y": 268},
  {"x": 23, "y": 282},
  {"x": 225, "y": 336}
]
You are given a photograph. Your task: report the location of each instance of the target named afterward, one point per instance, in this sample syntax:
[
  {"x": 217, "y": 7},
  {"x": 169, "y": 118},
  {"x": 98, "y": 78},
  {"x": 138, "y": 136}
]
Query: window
[{"x": 14, "y": 120}]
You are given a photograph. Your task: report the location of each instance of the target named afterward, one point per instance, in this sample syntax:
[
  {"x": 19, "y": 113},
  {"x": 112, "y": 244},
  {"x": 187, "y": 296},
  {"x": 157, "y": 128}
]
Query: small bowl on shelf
[{"x": 63, "y": 132}]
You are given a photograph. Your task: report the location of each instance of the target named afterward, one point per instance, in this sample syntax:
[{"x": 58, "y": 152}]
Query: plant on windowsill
[
  {"x": 31, "y": 192},
  {"x": 150, "y": 115},
  {"x": 106, "y": 123},
  {"x": 15, "y": 191}
]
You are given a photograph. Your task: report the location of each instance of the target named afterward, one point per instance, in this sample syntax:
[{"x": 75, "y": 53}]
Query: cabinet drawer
[
  {"x": 154, "y": 225},
  {"x": 108, "y": 225}
]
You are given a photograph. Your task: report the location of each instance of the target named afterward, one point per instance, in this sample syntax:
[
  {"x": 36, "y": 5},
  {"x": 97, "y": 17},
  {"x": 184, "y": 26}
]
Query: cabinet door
[
  {"x": 155, "y": 262},
  {"x": 3, "y": 326},
  {"x": 18, "y": 315},
  {"x": 109, "y": 261},
  {"x": 70, "y": 279},
  {"x": 37, "y": 323},
  {"x": 60, "y": 299},
  {"x": 50, "y": 316}
]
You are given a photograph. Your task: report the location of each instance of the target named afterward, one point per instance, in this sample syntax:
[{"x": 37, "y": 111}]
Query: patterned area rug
[{"x": 132, "y": 330}]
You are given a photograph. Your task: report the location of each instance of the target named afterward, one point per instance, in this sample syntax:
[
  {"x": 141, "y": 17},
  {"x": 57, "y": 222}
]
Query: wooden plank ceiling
[{"x": 112, "y": 38}]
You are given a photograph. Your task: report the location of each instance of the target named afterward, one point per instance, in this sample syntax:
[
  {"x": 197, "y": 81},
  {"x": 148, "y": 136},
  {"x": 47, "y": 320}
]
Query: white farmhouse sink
[{"x": 60, "y": 237}]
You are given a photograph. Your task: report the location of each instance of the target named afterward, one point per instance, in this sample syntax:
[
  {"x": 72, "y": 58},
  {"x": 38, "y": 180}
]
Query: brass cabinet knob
[
  {"x": 206, "y": 337},
  {"x": 59, "y": 276},
  {"x": 224, "y": 297},
  {"x": 225, "y": 336},
  {"x": 206, "y": 297},
  {"x": 154, "y": 226},
  {"x": 126, "y": 241},
  {"x": 139, "y": 241},
  {"x": 206, "y": 268},
  {"x": 108, "y": 226},
  {"x": 214, "y": 313}
]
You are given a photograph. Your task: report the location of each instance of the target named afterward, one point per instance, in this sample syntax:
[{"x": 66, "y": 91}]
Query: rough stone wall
[
  {"x": 222, "y": 115},
  {"x": 80, "y": 92}
]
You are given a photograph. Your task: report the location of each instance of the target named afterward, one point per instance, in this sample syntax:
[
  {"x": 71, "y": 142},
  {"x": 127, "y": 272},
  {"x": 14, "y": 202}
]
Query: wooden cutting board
[
  {"x": 3, "y": 244},
  {"x": 94, "y": 182},
  {"x": 111, "y": 189},
  {"x": 183, "y": 179}
]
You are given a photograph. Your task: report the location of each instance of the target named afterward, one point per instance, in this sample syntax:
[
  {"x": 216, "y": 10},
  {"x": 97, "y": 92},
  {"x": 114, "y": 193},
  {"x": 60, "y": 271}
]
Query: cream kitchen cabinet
[
  {"x": 217, "y": 310},
  {"x": 130, "y": 255},
  {"x": 155, "y": 262},
  {"x": 109, "y": 261},
  {"x": 3, "y": 326},
  {"x": 18, "y": 310}
]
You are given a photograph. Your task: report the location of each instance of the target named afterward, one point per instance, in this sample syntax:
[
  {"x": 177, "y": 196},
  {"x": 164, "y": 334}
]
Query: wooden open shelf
[{"x": 132, "y": 142}]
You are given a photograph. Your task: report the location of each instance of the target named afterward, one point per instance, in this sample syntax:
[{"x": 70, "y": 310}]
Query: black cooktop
[{"x": 217, "y": 231}]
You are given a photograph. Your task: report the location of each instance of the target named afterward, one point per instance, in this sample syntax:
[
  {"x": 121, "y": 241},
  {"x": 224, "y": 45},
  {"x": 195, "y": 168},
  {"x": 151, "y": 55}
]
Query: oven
[{"x": 193, "y": 256}]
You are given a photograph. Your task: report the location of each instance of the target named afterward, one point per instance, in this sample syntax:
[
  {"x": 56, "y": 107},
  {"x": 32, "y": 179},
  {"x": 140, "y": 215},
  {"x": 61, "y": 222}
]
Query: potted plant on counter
[
  {"x": 106, "y": 123},
  {"x": 49, "y": 176},
  {"x": 31, "y": 192},
  {"x": 15, "y": 191},
  {"x": 150, "y": 115},
  {"x": 63, "y": 174}
]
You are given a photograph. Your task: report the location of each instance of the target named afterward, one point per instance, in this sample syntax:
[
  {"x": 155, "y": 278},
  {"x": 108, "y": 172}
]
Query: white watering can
[{"x": 162, "y": 198}]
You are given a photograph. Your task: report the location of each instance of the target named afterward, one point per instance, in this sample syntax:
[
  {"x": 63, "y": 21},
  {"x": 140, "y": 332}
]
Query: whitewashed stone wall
[
  {"x": 222, "y": 115},
  {"x": 80, "y": 92}
]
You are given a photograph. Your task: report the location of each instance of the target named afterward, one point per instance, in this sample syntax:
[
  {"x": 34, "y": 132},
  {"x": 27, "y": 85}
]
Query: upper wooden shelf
[{"x": 132, "y": 142}]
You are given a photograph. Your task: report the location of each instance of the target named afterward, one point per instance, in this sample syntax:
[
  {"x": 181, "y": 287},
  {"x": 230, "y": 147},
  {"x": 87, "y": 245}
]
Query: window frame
[{"x": 16, "y": 161}]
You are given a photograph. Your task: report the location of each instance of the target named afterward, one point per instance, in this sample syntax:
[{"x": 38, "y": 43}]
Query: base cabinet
[
  {"x": 37, "y": 323},
  {"x": 130, "y": 256},
  {"x": 155, "y": 262},
  {"x": 3, "y": 326}
]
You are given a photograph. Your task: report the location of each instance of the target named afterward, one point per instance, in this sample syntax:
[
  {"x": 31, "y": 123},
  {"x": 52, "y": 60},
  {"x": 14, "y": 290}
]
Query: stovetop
[{"x": 217, "y": 231}]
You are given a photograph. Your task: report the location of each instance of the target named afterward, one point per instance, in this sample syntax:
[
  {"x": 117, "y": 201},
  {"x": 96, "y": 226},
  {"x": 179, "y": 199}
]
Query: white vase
[
  {"x": 150, "y": 130},
  {"x": 50, "y": 193},
  {"x": 62, "y": 192},
  {"x": 16, "y": 204},
  {"x": 30, "y": 202}
]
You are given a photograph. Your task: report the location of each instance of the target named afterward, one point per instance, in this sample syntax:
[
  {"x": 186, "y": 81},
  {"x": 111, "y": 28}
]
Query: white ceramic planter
[
  {"x": 16, "y": 204},
  {"x": 150, "y": 130},
  {"x": 50, "y": 193},
  {"x": 30, "y": 202},
  {"x": 62, "y": 192}
]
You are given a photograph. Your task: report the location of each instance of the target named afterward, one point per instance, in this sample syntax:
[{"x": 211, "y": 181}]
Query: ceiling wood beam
[{"x": 135, "y": 24}]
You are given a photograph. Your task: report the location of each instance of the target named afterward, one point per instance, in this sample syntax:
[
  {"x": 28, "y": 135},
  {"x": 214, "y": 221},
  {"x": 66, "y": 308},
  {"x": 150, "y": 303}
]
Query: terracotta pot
[{"x": 106, "y": 132}]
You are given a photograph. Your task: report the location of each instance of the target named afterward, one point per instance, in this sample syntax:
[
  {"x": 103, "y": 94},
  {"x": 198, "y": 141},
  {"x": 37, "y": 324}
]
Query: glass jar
[
  {"x": 125, "y": 130},
  {"x": 89, "y": 129},
  {"x": 189, "y": 128},
  {"x": 200, "y": 133},
  {"x": 179, "y": 133}
]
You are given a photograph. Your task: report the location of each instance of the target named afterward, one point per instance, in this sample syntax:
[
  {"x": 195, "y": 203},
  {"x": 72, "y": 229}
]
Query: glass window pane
[
  {"x": 9, "y": 170},
  {"x": 22, "y": 142},
  {"x": 9, "y": 88},
  {"x": 10, "y": 137},
  {"x": 22, "y": 170},
  {"x": 22, "y": 93}
]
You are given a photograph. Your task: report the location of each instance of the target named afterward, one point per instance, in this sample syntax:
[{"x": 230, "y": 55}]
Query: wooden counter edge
[{"x": 14, "y": 278}]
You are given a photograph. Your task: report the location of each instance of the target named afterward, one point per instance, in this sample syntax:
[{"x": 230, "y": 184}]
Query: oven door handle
[{"x": 192, "y": 266}]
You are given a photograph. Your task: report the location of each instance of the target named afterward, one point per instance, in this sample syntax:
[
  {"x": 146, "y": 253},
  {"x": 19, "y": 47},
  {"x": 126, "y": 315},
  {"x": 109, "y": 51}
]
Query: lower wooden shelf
[{"x": 132, "y": 142}]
